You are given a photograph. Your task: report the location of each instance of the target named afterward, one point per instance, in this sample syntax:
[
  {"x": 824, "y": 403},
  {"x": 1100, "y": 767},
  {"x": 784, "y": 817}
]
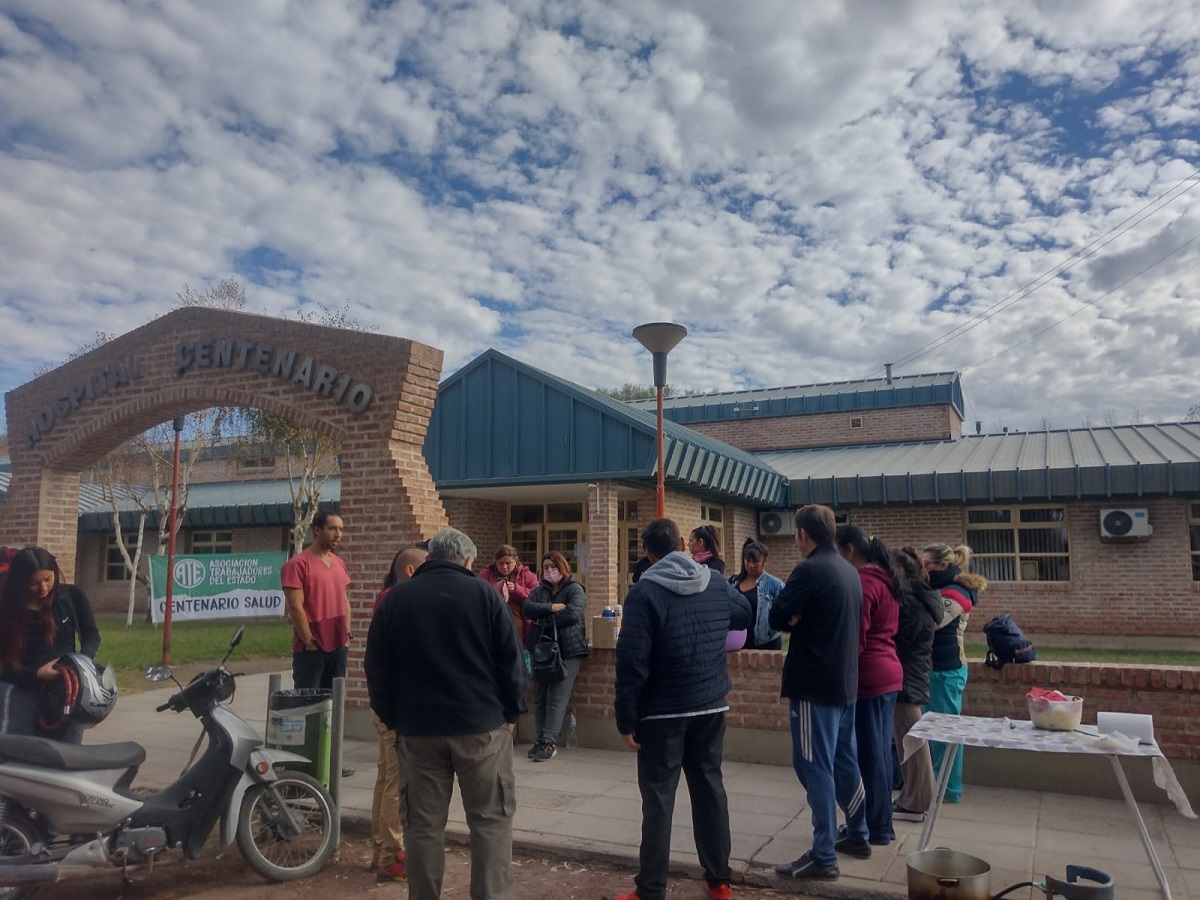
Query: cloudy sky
[{"x": 813, "y": 188}]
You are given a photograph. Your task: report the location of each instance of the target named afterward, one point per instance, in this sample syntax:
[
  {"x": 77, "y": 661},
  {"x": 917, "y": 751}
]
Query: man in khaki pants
[
  {"x": 451, "y": 633},
  {"x": 387, "y": 838}
]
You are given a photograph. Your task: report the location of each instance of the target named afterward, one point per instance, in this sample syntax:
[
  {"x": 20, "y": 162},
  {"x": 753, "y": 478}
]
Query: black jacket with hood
[
  {"x": 920, "y": 614},
  {"x": 671, "y": 651}
]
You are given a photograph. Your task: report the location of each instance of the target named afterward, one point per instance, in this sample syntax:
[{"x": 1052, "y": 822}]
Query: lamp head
[{"x": 660, "y": 339}]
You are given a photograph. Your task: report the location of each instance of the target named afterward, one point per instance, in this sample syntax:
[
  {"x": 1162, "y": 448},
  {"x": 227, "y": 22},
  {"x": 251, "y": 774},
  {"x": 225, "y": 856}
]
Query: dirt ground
[
  {"x": 224, "y": 876},
  {"x": 227, "y": 877}
]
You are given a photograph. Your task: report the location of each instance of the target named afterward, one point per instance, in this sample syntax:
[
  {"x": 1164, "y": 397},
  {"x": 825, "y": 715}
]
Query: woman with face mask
[
  {"x": 40, "y": 620},
  {"x": 558, "y": 599}
]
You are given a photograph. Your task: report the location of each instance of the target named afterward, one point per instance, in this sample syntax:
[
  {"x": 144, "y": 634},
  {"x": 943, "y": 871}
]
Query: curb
[{"x": 844, "y": 888}]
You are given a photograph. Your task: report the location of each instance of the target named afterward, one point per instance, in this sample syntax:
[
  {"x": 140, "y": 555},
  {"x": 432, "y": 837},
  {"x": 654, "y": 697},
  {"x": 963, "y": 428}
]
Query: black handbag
[{"x": 546, "y": 656}]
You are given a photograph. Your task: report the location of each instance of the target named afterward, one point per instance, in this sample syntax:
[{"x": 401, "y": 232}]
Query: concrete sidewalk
[{"x": 585, "y": 803}]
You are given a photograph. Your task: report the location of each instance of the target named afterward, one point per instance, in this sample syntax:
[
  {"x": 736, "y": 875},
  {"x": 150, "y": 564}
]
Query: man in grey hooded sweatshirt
[{"x": 670, "y": 703}]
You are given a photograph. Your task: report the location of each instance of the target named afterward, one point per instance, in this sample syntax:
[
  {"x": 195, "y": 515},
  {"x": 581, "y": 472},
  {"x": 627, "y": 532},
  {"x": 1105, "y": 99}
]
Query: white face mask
[{"x": 553, "y": 576}]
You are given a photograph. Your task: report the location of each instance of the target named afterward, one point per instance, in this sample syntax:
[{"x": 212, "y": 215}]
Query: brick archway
[{"x": 372, "y": 393}]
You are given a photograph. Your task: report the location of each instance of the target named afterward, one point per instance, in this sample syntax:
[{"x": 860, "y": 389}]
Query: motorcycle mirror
[
  {"x": 158, "y": 673},
  {"x": 237, "y": 639}
]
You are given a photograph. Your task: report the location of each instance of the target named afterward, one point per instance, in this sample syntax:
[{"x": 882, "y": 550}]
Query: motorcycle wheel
[
  {"x": 266, "y": 849},
  {"x": 17, "y": 837}
]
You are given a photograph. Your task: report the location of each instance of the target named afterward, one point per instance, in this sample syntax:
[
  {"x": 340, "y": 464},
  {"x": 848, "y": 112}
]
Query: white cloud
[{"x": 813, "y": 189}]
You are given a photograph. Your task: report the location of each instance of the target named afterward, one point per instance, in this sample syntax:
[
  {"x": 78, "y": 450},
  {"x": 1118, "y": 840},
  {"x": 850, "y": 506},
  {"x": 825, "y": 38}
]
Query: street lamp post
[
  {"x": 177, "y": 424},
  {"x": 660, "y": 339}
]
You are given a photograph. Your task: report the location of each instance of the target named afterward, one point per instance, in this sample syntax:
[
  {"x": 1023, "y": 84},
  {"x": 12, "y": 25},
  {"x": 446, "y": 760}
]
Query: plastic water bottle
[{"x": 572, "y": 733}]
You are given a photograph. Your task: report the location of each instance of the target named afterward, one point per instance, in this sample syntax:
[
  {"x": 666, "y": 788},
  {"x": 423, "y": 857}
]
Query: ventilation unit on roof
[
  {"x": 776, "y": 523},
  {"x": 1125, "y": 524}
]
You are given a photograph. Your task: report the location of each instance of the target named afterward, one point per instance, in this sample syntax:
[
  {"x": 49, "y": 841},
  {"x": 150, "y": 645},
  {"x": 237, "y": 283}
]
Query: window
[
  {"x": 265, "y": 461},
  {"x": 713, "y": 515},
  {"x": 631, "y": 533},
  {"x": 1025, "y": 543},
  {"x": 212, "y": 542},
  {"x": 1194, "y": 532},
  {"x": 114, "y": 563}
]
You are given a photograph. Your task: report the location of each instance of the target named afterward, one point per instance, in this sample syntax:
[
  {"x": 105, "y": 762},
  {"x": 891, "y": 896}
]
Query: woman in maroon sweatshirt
[{"x": 880, "y": 677}]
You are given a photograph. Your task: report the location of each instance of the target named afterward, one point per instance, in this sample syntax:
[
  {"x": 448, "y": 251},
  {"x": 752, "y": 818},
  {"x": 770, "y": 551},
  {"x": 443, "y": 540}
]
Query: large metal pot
[{"x": 943, "y": 874}]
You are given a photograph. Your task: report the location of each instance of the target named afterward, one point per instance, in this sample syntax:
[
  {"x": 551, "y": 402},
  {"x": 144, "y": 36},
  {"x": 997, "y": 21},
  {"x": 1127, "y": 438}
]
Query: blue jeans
[
  {"x": 945, "y": 696},
  {"x": 873, "y": 731},
  {"x": 826, "y": 762}
]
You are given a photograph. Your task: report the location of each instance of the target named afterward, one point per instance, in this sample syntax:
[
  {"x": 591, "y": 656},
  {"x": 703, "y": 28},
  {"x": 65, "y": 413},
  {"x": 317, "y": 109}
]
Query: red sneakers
[
  {"x": 720, "y": 892},
  {"x": 395, "y": 872},
  {"x": 632, "y": 895}
]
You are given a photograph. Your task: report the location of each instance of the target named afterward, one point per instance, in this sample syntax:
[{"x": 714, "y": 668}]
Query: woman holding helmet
[{"x": 40, "y": 620}]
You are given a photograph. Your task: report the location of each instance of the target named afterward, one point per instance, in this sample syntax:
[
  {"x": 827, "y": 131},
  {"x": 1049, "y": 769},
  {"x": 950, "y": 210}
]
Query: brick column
[{"x": 604, "y": 548}]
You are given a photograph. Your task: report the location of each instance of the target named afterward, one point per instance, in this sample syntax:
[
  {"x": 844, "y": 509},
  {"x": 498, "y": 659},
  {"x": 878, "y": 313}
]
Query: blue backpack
[{"x": 1006, "y": 643}]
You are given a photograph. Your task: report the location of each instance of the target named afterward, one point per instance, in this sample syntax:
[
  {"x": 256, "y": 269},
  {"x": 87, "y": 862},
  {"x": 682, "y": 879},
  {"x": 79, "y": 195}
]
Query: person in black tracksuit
[
  {"x": 40, "y": 620},
  {"x": 670, "y": 703},
  {"x": 821, "y": 605}
]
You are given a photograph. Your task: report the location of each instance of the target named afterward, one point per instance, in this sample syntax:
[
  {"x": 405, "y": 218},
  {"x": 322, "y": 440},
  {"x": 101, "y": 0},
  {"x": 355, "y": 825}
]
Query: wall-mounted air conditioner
[
  {"x": 1129, "y": 523},
  {"x": 776, "y": 523}
]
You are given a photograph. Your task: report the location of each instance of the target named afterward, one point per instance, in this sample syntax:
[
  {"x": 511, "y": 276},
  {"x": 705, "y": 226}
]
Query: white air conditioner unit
[
  {"x": 776, "y": 522},
  {"x": 1126, "y": 523}
]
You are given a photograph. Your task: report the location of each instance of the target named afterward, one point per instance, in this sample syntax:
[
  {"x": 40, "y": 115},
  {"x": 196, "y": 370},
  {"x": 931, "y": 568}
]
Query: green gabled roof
[{"x": 499, "y": 421}]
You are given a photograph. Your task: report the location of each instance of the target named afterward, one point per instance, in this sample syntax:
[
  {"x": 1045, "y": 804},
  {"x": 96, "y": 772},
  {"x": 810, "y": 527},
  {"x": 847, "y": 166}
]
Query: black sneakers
[
  {"x": 851, "y": 847},
  {"x": 900, "y": 814},
  {"x": 807, "y": 867},
  {"x": 535, "y": 749},
  {"x": 545, "y": 751}
]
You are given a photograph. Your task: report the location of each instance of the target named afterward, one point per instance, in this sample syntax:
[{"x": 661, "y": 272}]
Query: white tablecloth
[{"x": 1013, "y": 734}]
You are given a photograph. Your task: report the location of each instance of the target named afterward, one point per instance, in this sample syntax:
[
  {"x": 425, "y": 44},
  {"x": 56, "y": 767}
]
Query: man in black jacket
[
  {"x": 444, "y": 670},
  {"x": 821, "y": 605},
  {"x": 670, "y": 703}
]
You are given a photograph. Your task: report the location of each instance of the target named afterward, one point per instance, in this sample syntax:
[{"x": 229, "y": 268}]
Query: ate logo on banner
[{"x": 190, "y": 573}]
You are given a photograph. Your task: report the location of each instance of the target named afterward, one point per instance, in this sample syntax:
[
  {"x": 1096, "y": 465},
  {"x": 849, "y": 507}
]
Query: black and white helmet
[{"x": 84, "y": 693}]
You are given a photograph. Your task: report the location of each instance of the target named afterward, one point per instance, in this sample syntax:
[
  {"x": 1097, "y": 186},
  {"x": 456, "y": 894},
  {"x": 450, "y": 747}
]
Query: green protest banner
[{"x": 218, "y": 586}]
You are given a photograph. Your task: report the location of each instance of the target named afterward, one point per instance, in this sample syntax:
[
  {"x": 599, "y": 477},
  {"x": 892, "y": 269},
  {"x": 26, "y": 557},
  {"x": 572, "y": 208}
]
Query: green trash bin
[{"x": 301, "y": 721}]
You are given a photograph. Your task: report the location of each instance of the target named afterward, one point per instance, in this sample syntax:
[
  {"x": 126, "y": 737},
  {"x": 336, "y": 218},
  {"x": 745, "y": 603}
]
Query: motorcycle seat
[{"x": 47, "y": 754}]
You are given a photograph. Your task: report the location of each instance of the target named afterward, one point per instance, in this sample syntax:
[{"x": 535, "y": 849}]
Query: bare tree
[
  {"x": 1193, "y": 413},
  {"x": 1047, "y": 422},
  {"x": 1088, "y": 421},
  {"x": 1111, "y": 418}
]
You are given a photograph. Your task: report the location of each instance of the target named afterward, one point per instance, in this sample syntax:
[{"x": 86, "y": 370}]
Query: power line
[
  {"x": 1127, "y": 224},
  {"x": 1087, "y": 305}
]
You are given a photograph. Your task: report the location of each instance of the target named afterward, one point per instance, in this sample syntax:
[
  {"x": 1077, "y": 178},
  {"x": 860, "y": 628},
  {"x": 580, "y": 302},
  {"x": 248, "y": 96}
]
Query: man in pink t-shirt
[{"x": 314, "y": 585}]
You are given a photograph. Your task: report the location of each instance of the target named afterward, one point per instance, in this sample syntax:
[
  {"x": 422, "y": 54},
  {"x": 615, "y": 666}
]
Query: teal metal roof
[
  {"x": 806, "y": 399},
  {"x": 498, "y": 421},
  {"x": 231, "y": 504},
  {"x": 1071, "y": 464}
]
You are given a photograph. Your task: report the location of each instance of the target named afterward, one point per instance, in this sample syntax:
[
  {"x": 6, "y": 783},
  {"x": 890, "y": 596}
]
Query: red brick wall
[
  {"x": 1138, "y": 589},
  {"x": 879, "y": 426},
  {"x": 1170, "y": 693},
  {"x": 483, "y": 521}
]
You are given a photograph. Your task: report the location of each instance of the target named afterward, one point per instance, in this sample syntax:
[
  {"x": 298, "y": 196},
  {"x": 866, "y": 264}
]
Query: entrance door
[{"x": 535, "y": 529}]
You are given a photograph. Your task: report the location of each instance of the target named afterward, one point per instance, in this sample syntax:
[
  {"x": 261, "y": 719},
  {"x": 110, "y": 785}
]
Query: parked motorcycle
[{"x": 67, "y": 809}]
